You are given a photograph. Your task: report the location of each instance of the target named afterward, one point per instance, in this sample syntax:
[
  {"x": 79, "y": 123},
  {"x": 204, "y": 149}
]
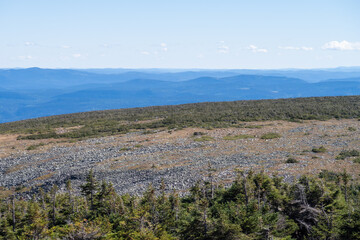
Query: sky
[{"x": 206, "y": 34}]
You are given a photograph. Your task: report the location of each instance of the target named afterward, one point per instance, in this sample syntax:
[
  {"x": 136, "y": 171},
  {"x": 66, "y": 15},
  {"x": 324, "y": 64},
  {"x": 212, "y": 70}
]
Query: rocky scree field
[{"x": 133, "y": 160}]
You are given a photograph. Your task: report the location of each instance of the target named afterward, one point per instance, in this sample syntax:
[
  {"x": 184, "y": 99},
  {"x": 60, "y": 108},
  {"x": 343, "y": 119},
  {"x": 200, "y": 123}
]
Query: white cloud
[
  {"x": 156, "y": 49},
  {"x": 76, "y": 55},
  {"x": 297, "y": 48},
  {"x": 255, "y": 49},
  {"x": 163, "y": 47},
  {"x": 110, "y": 45},
  {"x": 307, "y": 48},
  {"x": 343, "y": 45},
  {"x": 223, "y": 48},
  {"x": 65, "y": 46},
  {"x": 28, "y": 44},
  {"x": 262, "y": 50},
  {"x": 28, "y": 57}
]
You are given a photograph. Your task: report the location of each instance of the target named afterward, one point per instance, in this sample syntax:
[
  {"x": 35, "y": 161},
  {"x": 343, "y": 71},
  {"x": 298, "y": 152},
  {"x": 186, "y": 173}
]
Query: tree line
[{"x": 255, "y": 206}]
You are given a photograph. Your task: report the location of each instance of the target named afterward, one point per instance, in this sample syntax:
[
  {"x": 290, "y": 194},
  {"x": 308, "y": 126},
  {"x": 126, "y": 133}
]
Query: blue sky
[{"x": 224, "y": 34}]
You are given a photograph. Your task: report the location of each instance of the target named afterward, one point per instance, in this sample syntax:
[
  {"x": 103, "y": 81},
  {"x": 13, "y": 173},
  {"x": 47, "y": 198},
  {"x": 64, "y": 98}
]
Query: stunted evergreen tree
[
  {"x": 35, "y": 222},
  {"x": 53, "y": 193},
  {"x": 90, "y": 188},
  {"x": 69, "y": 190}
]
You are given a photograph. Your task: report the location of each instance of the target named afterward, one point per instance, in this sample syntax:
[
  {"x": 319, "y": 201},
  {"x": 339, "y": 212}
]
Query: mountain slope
[
  {"x": 210, "y": 114},
  {"x": 30, "y": 93}
]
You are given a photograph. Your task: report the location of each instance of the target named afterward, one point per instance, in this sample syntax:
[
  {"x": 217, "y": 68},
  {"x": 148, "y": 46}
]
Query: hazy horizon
[
  {"x": 180, "y": 34},
  {"x": 186, "y": 69}
]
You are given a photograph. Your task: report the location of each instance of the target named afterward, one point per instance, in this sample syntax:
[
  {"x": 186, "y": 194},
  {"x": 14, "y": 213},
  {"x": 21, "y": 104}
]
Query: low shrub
[
  {"x": 319, "y": 149},
  {"x": 125, "y": 149},
  {"x": 270, "y": 136},
  {"x": 35, "y": 146},
  {"x": 347, "y": 153},
  {"x": 199, "y": 133},
  {"x": 291, "y": 160}
]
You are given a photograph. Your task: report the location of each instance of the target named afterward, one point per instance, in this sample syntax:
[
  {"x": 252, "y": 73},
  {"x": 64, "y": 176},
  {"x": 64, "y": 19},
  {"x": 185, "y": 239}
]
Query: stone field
[{"x": 181, "y": 157}]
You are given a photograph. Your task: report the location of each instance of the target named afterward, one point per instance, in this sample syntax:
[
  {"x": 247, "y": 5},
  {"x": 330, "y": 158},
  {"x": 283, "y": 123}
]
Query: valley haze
[{"x": 37, "y": 92}]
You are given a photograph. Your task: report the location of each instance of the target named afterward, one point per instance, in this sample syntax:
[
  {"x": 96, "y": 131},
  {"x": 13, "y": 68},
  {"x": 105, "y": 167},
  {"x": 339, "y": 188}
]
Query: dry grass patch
[
  {"x": 5, "y": 193},
  {"x": 62, "y": 130},
  {"x": 35, "y": 146},
  {"x": 142, "y": 167},
  {"x": 177, "y": 164},
  {"x": 236, "y": 137},
  {"x": 16, "y": 168},
  {"x": 44, "y": 177}
]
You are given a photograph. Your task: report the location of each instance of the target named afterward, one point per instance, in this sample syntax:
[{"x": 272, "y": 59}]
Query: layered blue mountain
[{"x": 35, "y": 92}]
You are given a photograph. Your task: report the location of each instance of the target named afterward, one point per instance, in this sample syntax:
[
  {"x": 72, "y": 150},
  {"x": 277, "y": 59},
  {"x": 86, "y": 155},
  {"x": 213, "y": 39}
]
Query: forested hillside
[
  {"x": 256, "y": 206},
  {"x": 210, "y": 114}
]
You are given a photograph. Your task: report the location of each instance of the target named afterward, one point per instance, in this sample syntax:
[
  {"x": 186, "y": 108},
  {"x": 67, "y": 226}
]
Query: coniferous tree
[
  {"x": 90, "y": 188},
  {"x": 53, "y": 193},
  {"x": 70, "y": 196},
  {"x": 310, "y": 208}
]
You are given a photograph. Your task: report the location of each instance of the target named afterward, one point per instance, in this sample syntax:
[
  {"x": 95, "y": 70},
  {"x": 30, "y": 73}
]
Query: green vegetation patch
[
  {"x": 291, "y": 160},
  {"x": 351, "y": 129},
  {"x": 329, "y": 175},
  {"x": 253, "y": 126},
  {"x": 204, "y": 139},
  {"x": 347, "y": 153},
  {"x": 236, "y": 137},
  {"x": 206, "y": 115},
  {"x": 321, "y": 149},
  {"x": 199, "y": 133},
  {"x": 356, "y": 160},
  {"x": 125, "y": 149},
  {"x": 35, "y": 146},
  {"x": 270, "y": 136}
]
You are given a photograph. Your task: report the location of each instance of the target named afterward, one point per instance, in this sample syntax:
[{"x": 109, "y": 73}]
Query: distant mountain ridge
[{"x": 35, "y": 92}]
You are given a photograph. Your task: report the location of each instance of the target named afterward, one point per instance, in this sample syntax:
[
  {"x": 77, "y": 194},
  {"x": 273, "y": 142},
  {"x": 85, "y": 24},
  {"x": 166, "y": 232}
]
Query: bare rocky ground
[{"x": 132, "y": 161}]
